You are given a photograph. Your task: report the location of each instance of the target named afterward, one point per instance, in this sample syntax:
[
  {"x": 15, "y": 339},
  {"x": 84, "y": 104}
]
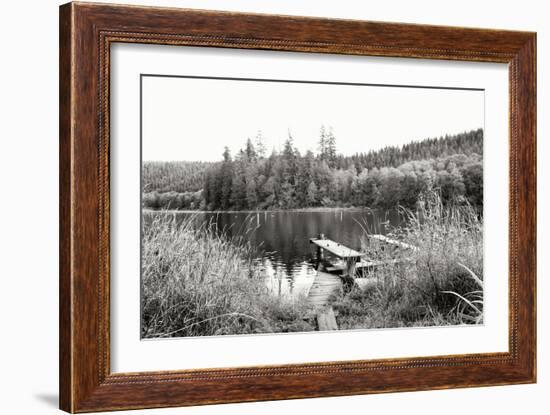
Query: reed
[
  {"x": 198, "y": 283},
  {"x": 439, "y": 283}
]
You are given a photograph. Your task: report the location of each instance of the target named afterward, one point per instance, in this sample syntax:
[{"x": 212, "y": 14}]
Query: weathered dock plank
[
  {"x": 395, "y": 242},
  {"x": 326, "y": 320},
  {"x": 335, "y": 248},
  {"x": 368, "y": 264},
  {"x": 324, "y": 285}
]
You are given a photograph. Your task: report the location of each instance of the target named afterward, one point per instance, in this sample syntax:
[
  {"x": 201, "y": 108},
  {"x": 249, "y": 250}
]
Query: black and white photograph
[{"x": 279, "y": 206}]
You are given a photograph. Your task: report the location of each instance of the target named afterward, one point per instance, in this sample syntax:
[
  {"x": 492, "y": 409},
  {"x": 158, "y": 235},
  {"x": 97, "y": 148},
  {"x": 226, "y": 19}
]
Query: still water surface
[{"x": 281, "y": 238}]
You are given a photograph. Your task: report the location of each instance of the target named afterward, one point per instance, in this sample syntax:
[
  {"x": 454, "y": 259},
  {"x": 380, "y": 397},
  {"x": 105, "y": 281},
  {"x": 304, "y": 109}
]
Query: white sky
[{"x": 193, "y": 119}]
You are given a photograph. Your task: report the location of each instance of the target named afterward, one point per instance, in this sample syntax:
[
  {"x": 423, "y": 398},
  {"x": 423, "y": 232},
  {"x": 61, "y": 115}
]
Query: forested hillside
[
  {"x": 174, "y": 176},
  {"x": 392, "y": 176}
]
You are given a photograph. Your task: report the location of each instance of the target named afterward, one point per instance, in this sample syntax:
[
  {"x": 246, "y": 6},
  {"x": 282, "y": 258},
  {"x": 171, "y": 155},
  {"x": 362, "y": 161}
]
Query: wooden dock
[
  {"x": 323, "y": 287},
  {"x": 350, "y": 256},
  {"x": 351, "y": 260},
  {"x": 327, "y": 283}
]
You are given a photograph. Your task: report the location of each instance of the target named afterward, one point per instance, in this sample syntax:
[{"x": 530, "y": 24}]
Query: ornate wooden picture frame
[{"x": 87, "y": 32}]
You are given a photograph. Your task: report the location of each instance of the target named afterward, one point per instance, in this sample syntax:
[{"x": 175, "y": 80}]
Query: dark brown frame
[{"x": 86, "y": 33}]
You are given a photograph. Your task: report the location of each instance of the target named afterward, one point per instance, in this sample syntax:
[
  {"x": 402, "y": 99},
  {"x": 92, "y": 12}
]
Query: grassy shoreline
[
  {"x": 441, "y": 283},
  {"x": 197, "y": 283},
  {"x": 297, "y": 210}
]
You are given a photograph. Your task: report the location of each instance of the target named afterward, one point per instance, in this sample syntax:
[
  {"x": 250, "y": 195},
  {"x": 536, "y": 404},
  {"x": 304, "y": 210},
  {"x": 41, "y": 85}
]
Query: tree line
[{"x": 385, "y": 178}]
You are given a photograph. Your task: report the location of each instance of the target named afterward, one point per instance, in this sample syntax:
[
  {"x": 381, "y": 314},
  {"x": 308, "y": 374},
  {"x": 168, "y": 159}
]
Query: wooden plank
[
  {"x": 335, "y": 248},
  {"x": 324, "y": 285},
  {"x": 368, "y": 264},
  {"x": 395, "y": 242},
  {"x": 326, "y": 320}
]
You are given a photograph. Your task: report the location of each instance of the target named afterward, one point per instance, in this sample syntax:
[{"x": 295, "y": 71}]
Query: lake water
[{"x": 281, "y": 238}]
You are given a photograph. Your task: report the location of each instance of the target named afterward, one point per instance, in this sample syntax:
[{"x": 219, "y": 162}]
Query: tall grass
[
  {"x": 198, "y": 283},
  {"x": 439, "y": 283}
]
